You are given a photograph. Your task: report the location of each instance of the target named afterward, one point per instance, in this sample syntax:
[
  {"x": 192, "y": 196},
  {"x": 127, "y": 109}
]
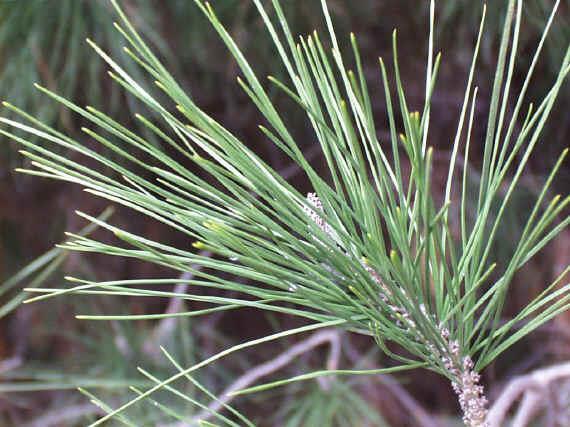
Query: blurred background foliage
[{"x": 44, "y": 41}]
